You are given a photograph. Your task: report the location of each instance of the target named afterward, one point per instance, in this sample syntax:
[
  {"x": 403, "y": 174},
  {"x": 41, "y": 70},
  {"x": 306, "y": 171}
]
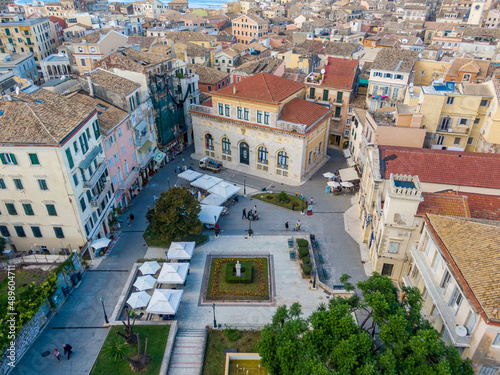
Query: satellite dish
[
  {"x": 461, "y": 331},
  {"x": 323, "y": 71}
]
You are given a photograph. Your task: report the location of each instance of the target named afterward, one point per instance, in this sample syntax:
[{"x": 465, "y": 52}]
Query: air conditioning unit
[{"x": 481, "y": 131}]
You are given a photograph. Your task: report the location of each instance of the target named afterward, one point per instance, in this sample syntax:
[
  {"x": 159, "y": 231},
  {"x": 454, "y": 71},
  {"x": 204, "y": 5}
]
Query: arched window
[
  {"x": 226, "y": 146},
  {"x": 263, "y": 155},
  {"x": 209, "y": 142},
  {"x": 282, "y": 160}
]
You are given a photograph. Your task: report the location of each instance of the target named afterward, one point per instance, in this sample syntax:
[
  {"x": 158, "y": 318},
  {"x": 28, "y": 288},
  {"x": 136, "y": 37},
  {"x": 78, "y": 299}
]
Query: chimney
[{"x": 91, "y": 86}]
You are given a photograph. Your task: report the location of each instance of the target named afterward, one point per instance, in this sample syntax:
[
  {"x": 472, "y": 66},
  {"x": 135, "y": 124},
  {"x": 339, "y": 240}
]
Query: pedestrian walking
[
  {"x": 56, "y": 353},
  {"x": 286, "y": 225},
  {"x": 244, "y": 215},
  {"x": 68, "y": 349},
  {"x": 128, "y": 220},
  {"x": 293, "y": 206},
  {"x": 312, "y": 200},
  {"x": 299, "y": 224},
  {"x": 132, "y": 217},
  {"x": 255, "y": 208},
  {"x": 250, "y": 214}
]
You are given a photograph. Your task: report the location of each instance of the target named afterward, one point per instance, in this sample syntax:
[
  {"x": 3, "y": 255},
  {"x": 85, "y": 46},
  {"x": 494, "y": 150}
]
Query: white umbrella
[
  {"x": 329, "y": 175},
  {"x": 173, "y": 273},
  {"x": 149, "y": 268},
  {"x": 165, "y": 301},
  {"x": 209, "y": 214},
  {"x": 181, "y": 250},
  {"x": 224, "y": 189},
  {"x": 145, "y": 282},
  {"x": 347, "y": 184},
  {"x": 333, "y": 183},
  {"x": 100, "y": 243},
  {"x": 189, "y": 175},
  {"x": 138, "y": 300}
]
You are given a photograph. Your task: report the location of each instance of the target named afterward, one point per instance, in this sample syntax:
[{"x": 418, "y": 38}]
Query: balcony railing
[
  {"x": 97, "y": 199},
  {"x": 201, "y": 108},
  {"x": 147, "y": 158},
  {"x": 140, "y": 140},
  {"x": 96, "y": 175}
]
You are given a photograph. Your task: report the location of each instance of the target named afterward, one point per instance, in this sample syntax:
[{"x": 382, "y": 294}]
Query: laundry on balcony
[{"x": 90, "y": 157}]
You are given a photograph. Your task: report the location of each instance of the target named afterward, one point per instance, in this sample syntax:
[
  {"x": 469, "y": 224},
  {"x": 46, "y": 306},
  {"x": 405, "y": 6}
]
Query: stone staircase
[{"x": 188, "y": 352}]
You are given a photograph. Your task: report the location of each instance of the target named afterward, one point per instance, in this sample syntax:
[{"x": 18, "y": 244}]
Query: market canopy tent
[
  {"x": 181, "y": 250},
  {"x": 224, "y": 189},
  {"x": 329, "y": 175},
  {"x": 100, "y": 243},
  {"x": 347, "y": 153},
  {"x": 209, "y": 214},
  {"x": 213, "y": 200},
  {"x": 149, "y": 268},
  {"x": 145, "y": 282},
  {"x": 173, "y": 273},
  {"x": 348, "y": 174},
  {"x": 350, "y": 162},
  {"x": 189, "y": 175},
  {"x": 205, "y": 182},
  {"x": 347, "y": 184},
  {"x": 333, "y": 184},
  {"x": 165, "y": 301},
  {"x": 138, "y": 300}
]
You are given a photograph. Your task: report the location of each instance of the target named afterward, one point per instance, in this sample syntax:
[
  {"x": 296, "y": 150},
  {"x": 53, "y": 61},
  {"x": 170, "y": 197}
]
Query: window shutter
[
  {"x": 453, "y": 297},
  {"x": 13, "y": 157},
  {"x": 70, "y": 158},
  {"x": 2, "y": 158}
]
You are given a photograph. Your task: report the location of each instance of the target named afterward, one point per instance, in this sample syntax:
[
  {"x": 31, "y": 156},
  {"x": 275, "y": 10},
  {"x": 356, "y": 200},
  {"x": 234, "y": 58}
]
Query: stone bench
[{"x": 320, "y": 258}]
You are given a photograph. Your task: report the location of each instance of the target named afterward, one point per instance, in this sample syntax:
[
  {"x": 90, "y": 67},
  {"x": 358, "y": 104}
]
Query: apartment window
[
  {"x": 325, "y": 95},
  {"x": 457, "y": 141},
  {"x": 398, "y": 76},
  {"x": 282, "y": 160},
  {"x": 450, "y": 100},
  {"x": 36, "y": 232},
  {"x": 75, "y": 179},
  {"x": 387, "y": 269},
  {"x": 82, "y": 204},
  {"x": 34, "y": 159},
  {"x": 266, "y": 118},
  {"x": 486, "y": 370},
  {"x": 209, "y": 141},
  {"x": 375, "y": 90},
  {"x": 476, "y": 120},
  {"x": 440, "y": 140},
  {"x": 58, "y": 232},
  {"x": 97, "y": 131},
  {"x": 239, "y": 112},
  {"x": 463, "y": 121},
  {"x": 221, "y": 109},
  {"x": 484, "y": 103},
  {"x": 19, "y": 231},
  {"x": 466, "y": 78},
  {"x": 496, "y": 341},
  {"x": 445, "y": 123},
  {"x": 8, "y": 159},
  {"x": 226, "y": 146},
  {"x": 42, "y": 184},
  {"x": 116, "y": 157},
  {"x": 377, "y": 74},
  {"x": 387, "y": 75},
  {"x": 2, "y": 184},
  {"x": 4, "y": 231},
  {"x": 393, "y": 247},
  {"x": 227, "y": 110},
  {"x": 422, "y": 72},
  {"x": 470, "y": 141},
  {"x": 123, "y": 150},
  {"x": 312, "y": 92},
  {"x": 11, "y": 209},
  {"x": 259, "y": 117},
  {"x": 28, "y": 210},
  {"x": 18, "y": 184},
  {"x": 138, "y": 102},
  {"x": 51, "y": 210},
  {"x": 246, "y": 114},
  {"x": 83, "y": 62}
]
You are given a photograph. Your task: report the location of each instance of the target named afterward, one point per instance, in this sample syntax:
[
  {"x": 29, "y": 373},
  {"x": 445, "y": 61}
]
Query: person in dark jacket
[{"x": 68, "y": 349}]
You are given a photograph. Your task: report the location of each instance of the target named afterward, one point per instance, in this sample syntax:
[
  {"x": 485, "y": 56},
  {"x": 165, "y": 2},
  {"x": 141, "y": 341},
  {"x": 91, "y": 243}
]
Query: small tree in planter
[
  {"x": 283, "y": 197},
  {"x": 141, "y": 360},
  {"x": 303, "y": 251},
  {"x": 306, "y": 268}
]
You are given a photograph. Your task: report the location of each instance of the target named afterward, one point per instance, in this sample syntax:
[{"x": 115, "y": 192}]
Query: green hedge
[
  {"x": 246, "y": 272},
  {"x": 303, "y": 251},
  {"x": 302, "y": 242},
  {"x": 306, "y": 268},
  {"x": 306, "y": 260}
]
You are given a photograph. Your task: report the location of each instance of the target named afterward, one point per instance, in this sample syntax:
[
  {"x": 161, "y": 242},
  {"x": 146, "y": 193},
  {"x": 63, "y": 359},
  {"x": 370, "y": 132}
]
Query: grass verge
[
  {"x": 152, "y": 238},
  {"x": 157, "y": 340},
  {"x": 271, "y": 198},
  {"x": 217, "y": 342}
]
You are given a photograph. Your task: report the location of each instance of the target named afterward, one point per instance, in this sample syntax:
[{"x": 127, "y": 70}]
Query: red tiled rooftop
[
  {"x": 448, "y": 204},
  {"x": 442, "y": 166},
  {"x": 262, "y": 87},
  {"x": 483, "y": 206},
  {"x": 340, "y": 72},
  {"x": 300, "y": 111}
]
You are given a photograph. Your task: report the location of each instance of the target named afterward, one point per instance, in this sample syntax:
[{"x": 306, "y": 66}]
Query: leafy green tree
[
  {"x": 176, "y": 215},
  {"x": 391, "y": 338}
]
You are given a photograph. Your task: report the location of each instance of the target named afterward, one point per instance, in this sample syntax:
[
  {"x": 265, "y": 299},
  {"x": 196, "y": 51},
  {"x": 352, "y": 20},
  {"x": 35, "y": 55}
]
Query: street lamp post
[
  {"x": 244, "y": 185},
  {"x": 104, "y": 310},
  {"x": 314, "y": 279},
  {"x": 215, "y": 322},
  {"x": 182, "y": 163},
  {"x": 303, "y": 205}
]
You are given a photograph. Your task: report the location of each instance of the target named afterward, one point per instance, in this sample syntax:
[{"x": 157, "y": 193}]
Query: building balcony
[
  {"x": 446, "y": 313},
  {"x": 88, "y": 184},
  {"x": 147, "y": 158},
  {"x": 97, "y": 199},
  {"x": 140, "y": 140},
  {"x": 451, "y": 130}
]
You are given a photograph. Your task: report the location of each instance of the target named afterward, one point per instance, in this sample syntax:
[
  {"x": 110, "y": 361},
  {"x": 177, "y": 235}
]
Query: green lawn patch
[
  {"x": 217, "y": 342},
  {"x": 152, "y": 239},
  {"x": 24, "y": 277},
  {"x": 157, "y": 341},
  {"x": 272, "y": 198},
  {"x": 218, "y": 289}
]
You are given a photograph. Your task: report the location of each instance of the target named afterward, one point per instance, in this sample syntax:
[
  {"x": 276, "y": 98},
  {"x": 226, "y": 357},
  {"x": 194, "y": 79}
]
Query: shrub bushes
[
  {"x": 303, "y": 251},
  {"x": 306, "y": 268},
  {"x": 306, "y": 260},
  {"x": 302, "y": 242},
  {"x": 283, "y": 197},
  {"x": 233, "y": 334},
  {"x": 246, "y": 273}
]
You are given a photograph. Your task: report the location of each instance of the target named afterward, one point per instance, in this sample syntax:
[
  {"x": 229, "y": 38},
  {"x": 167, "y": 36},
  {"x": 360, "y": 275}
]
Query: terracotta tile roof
[
  {"x": 208, "y": 75},
  {"x": 327, "y": 48},
  {"x": 340, "y": 72},
  {"x": 112, "y": 81},
  {"x": 483, "y": 206},
  {"x": 472, "y": 249},
  {"x": 254, "y": 67},
  {"x": 262, "y": 87},
  {"x": 108, "y": 115},
  {"x": 145, "y": 58},
  {"x": 395, "y": 60},
  {"x": 191, "y": 36},
  {"x": 442, "y": 166},
  {"x": 144, "y": 42},
  {"x": 448, "y": 204},
  {"x": 469, "y": 65},
  {"x": 42, "y": 118},
  {"x": 300, "y": 111},
  {"x": 95, "y": 37}
]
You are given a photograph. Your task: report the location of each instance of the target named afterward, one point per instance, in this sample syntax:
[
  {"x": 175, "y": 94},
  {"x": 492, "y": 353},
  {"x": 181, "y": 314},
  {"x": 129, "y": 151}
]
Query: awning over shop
[
  {"x": 90, "y": 157},
  {"x": 144, "y": 148},
  {"x": 159, "y": 156},
  {"x": 350, "y": 162},
  {"x": 347, "y": 153},
  {"x": 348, "y": 174}
]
